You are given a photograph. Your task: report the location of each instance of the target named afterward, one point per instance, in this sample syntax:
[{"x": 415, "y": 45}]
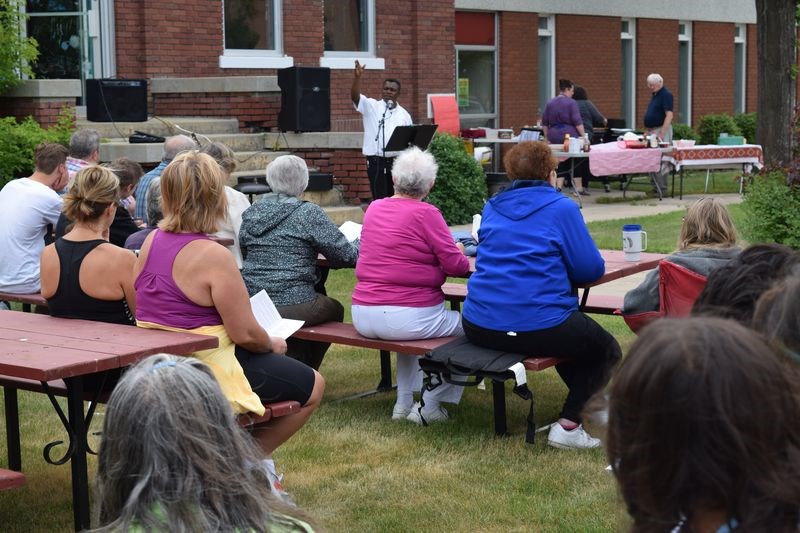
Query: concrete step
[
  {"x": 163, "y": 126},
  {"x": 341, "y": 214},
  {"x": 112, "y": 148},
  {"x": 255, "y": 162}
]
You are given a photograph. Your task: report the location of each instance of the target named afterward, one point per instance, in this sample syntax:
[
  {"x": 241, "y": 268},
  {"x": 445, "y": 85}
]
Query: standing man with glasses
[
  {"x": 658, "y": 122},
  {"x": 380, "y": 118}
]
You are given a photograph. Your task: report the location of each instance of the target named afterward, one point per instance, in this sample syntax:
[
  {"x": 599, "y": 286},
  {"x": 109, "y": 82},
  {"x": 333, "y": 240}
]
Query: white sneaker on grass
[
  {"x": 276, "y": 485},
  {"x": 568, "y": 440},
  {"x": 425, "y": 415},
  {"x": 400, "y": 412}
]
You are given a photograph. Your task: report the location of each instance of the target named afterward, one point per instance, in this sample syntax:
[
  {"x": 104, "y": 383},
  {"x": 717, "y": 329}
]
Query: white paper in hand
[
  {"x": 476, "y": 225},
  {"x": 351, "y": 230},
  {"x": 268, "y": 317}
]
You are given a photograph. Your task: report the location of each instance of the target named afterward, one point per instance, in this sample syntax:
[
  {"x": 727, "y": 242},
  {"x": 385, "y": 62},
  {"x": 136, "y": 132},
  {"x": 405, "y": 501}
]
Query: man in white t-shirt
[
  {"x": 27, "y": 207},
  {"x": 380, "y": 118}
]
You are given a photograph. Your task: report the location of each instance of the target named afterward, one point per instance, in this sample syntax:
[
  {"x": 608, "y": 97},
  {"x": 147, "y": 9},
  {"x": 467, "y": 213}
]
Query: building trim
[
  {"x": 46, "y": 89},
  {"x": 739, "y": 11},
  {"x": 232, "y": 84}
]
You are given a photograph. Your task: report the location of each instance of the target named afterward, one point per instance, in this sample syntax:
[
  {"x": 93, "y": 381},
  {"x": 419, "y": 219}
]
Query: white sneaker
[
  {"x": 276, "y": 486},
  {"x": 573, "y": 439},
  {"x": 422, "y": 416},
  {"x": 400, "y": 412}
]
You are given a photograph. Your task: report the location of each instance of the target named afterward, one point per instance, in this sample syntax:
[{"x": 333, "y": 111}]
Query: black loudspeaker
[
  {"x": 109, "y": 100},
  {"x": 305, "y": 99}
]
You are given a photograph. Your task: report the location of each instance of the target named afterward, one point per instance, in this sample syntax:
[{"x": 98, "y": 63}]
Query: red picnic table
[{"x": 45, "y": 349}]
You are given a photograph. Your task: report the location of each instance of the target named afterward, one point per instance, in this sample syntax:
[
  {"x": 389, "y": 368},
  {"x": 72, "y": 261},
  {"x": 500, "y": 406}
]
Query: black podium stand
[{"x": 418, "y": 135}]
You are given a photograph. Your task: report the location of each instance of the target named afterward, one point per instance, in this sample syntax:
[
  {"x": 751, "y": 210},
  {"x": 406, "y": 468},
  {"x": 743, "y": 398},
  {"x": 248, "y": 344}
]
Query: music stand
[{"x": 418, "y": 135}]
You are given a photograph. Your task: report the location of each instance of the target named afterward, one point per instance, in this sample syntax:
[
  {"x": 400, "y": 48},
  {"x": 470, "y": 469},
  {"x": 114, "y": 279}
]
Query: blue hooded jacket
[{"x": 533, "y": 247}]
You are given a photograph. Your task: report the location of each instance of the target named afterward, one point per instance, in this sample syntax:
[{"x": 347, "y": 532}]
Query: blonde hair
[
  {"x": 92, "y": 191},
  {"x": 707, "y": 223},
  {"x": 192, "y": 194}
]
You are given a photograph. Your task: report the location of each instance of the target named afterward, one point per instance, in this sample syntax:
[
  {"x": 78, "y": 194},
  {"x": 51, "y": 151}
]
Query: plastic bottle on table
[{"x": 566, "y": 142}]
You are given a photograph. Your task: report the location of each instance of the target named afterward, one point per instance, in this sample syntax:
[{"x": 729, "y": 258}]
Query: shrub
[
  {"x": 710, "y": 126},
  {"x": 772, "y": 211},
  {"x": 747, "y": 125},
  {"x": 18, "y": 141},
  {"x": 460, "y": 187},
  {"x": 683, "y": 131}
]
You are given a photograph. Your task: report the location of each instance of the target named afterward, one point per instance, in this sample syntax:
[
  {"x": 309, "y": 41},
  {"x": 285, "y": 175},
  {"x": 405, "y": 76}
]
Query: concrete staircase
[{"x": 253, "y": 151}]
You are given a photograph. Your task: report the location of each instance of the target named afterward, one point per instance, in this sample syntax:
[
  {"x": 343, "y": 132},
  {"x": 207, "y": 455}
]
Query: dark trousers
[
  {"x": 320, "y": 309},
  {"x": 379, "y": 172},
  {"x": 593, "y": 353}
]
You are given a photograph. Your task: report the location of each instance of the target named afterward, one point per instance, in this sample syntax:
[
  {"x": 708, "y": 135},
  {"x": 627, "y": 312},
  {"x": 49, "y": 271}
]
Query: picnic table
[
  {"x": 44, "y": 349},
  {"x": 712, "y": 156}
]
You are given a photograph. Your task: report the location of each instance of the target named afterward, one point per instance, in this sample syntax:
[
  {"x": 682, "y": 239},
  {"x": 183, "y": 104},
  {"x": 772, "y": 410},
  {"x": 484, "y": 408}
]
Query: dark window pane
[
  {"x": 478, "y": 68},
  {"x": 249, "y": 24},
  {"x": 51, "y": 6},
  {"x": 59, "y": 47},
  {"x": 346, "y": 26}
]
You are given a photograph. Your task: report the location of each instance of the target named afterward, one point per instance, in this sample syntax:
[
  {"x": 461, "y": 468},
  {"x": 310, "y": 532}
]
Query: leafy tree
[{"x": 16, "y": 52}]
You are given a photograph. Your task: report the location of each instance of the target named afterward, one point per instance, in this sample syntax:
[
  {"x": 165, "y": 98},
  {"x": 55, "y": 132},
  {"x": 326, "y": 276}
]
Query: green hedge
[
  {"x": 683, "y": 131},
  {"x": 18, "y": 141},
  {"x": 772, "y": 211},
  {"x": 710, "y": 126},
  {"x": 460, "y": 188},
  {"x": 747, "y": 125}
]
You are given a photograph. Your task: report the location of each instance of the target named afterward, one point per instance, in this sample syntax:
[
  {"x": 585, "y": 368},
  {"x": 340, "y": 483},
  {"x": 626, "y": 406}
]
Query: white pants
[{"x": 409, "y": 323}]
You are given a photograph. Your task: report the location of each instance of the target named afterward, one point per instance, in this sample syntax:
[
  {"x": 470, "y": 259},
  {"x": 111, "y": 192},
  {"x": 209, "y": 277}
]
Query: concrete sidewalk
[{"x": 630, "y": 211}]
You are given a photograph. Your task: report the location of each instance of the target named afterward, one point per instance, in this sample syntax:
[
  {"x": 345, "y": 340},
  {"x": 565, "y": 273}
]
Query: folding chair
[{"x": 678, "y": 288}]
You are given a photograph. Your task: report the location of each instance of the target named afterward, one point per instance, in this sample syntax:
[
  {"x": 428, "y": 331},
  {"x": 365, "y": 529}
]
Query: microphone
[{"x": 391, "y": 104}]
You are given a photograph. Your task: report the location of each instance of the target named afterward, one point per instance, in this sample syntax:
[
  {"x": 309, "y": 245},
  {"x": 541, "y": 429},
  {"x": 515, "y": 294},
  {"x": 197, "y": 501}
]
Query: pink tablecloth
[{"x": 609, "y": 158}]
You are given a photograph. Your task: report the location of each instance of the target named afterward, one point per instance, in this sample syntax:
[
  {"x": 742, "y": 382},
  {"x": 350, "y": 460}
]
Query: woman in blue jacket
[{"x": 534, "y": 249}]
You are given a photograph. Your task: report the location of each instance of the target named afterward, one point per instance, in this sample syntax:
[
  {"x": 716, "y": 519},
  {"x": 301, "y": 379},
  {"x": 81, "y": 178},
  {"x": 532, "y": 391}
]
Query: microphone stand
[{"x": 382, "y": 136}]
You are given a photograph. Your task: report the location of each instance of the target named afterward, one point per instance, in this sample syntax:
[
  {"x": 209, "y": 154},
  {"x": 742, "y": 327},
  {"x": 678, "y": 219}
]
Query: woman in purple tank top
[{"x": 185, "y": 281}]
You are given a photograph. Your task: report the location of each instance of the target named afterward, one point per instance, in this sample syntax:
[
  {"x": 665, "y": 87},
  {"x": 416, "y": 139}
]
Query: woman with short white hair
[
  {"x": 280, "y": 238},
  {"x": 407, "y": 252}
]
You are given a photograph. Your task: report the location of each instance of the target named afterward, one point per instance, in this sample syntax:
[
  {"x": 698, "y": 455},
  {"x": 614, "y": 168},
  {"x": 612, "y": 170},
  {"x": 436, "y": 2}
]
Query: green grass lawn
[
  {"x": 354, "y": 469},
  {"x": 720, "y": 181}
]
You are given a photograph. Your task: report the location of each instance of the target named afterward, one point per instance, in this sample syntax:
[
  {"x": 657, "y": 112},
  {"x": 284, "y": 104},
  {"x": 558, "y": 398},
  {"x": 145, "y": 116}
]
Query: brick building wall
[
  {"x": 712, "y": 69},
  {"x": 44, "y": 110},
  {"x": 656, "y": 51},
  {"x": 254, "y": 111},
  {"x": 591, "y": 58},
  {"x": 518, "y": 69}
]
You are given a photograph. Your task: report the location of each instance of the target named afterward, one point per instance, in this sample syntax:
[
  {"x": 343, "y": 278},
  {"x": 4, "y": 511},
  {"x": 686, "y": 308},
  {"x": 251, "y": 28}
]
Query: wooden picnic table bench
[
  {"x": 25, "y": 299},
  {"x": 600, "y": 304},
  {"x": 10, "y": 479}
]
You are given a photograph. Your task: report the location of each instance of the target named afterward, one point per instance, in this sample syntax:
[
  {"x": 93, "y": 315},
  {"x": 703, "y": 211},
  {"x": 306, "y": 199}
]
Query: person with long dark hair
[{"x": 702, "y": 430}]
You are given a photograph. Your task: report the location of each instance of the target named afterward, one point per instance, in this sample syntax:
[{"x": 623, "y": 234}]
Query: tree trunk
[{"x": 776, "y": 84}]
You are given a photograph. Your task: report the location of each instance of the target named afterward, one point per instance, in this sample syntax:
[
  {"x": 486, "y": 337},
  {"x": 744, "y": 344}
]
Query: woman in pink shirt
[{"x": 406, "y": 253}]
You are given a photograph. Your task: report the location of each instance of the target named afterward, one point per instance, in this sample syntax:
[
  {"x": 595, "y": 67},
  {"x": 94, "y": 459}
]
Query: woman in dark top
[
  {"x": 83, "y": 275},
  {"x": 561, "y": 117},
  {"x": 591, "y": 117}
]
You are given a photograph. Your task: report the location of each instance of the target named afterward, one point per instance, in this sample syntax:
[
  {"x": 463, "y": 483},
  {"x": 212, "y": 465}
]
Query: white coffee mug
[
  {"x": 632, "y": 238},
  {"x": 575, "y": 145}
]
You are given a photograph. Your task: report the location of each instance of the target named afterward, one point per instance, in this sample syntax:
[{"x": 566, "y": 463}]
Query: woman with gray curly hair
[
  {"x": 190, "y": 466},
  {"x": 407, "y": 252},
  {"x": 280, "y": 238}
]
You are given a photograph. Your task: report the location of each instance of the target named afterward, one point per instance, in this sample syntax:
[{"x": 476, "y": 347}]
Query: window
[
  {"x": 349, "y": 34},
  {"x": 547, "y": 60},
  {"x": 253, "y": 35},
  {"x": 739, "y": 68},
  {"x": 476, "y": 69},
  {"x": 628, "y": 74},
  {"x": 684, "y": 115},
  {"x": 57, "y": 27}
]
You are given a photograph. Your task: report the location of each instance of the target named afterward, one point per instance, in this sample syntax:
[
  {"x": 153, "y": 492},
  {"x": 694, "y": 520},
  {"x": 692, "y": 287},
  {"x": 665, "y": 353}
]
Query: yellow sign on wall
[{"x": 463, "y": 92}]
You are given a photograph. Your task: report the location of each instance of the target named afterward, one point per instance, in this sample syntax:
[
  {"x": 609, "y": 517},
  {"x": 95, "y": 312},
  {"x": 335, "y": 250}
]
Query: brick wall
[
  {"x": 712, "y": 69},
  {"x": 44, "y": 110},
  {"x": 656, "y": 51},
  {"x": 253, "y": 110},
  {"x": 518, "y": 69},
  {"x": 348, "y": 168}
]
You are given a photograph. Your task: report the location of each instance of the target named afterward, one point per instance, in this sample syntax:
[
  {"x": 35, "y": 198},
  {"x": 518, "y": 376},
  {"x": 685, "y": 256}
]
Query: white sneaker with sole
[
  {"x": 423, "y": 416},
  {"x": 574, "y": 439},
  {"x": 276, "y": 486},
  {"x": 400, "y": 412}
]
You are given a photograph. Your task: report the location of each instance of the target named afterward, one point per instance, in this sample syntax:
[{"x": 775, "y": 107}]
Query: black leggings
[
  {"x": 593, "y": 353},
  {"x": 276, "y": 378}
]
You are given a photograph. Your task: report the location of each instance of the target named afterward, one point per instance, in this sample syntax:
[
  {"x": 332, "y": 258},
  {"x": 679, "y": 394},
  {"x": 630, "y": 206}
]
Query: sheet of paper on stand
[
  {"x": 268, "y": 317},
  {"x": 351, "y": 230},
  {"x": 483, "y": 155}
]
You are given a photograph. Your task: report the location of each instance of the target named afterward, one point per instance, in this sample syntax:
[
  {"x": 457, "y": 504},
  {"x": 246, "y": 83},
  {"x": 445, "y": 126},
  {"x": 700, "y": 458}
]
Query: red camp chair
[{"x": 678, "y": 288}]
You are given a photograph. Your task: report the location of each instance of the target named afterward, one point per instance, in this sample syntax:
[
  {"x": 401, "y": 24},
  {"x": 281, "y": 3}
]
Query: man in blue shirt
[{"x": 658, "y": 122}]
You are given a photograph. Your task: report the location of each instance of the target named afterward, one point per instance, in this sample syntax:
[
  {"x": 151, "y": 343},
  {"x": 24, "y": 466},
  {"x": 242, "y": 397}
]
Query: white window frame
[
  {"x": 630, "y": 35},
  {"x": 344, "y": 60},
  {"x": 686, "y": 36},
  {"x": 234, "y": 58},
  {"x": 550, "y": 31},
  {"x": 740, "y": 38}
]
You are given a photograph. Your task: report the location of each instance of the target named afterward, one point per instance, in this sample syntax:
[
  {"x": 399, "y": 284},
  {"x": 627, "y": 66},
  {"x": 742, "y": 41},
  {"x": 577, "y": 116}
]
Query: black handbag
[{"x": 138, "y": 137}]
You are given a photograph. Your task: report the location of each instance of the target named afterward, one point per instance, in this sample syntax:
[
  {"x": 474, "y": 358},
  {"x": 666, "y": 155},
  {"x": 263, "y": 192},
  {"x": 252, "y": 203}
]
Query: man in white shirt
[
  {"x": 27, "y": 207},
  {"x": 380, "y": 118}
]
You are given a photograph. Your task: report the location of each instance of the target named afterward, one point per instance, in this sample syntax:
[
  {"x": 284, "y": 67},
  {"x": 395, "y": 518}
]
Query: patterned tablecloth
[
  {"x": 716, "y": 156},
  {"x": 613, "y": 158}
]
